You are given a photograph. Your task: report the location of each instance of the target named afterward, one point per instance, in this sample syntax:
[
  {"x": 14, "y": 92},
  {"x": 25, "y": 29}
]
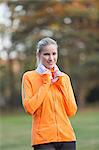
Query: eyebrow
[{"x": 46, "y": 53}]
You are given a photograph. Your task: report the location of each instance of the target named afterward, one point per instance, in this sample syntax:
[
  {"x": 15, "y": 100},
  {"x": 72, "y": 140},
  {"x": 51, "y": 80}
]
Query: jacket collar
[{"x": 41, "y": 69}]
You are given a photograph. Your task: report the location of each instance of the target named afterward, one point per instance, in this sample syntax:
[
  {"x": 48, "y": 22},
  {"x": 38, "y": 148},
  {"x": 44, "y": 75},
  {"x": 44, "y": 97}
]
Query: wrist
[{"x": 59, "y": 81}]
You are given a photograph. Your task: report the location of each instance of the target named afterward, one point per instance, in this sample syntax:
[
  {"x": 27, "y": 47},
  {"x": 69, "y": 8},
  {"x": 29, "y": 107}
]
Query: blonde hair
[{"x": 42, "y": 43}]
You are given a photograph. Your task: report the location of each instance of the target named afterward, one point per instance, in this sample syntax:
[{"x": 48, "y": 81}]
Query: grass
[
  {"x": 86, "y": 125},
  {"x": 15, "y": 131}
]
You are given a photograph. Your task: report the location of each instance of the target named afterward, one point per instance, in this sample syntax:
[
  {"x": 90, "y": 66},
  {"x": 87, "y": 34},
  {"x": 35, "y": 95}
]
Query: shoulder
[
  {"x": 66, "y": 76},
  {"x": 30, "y": 74}
]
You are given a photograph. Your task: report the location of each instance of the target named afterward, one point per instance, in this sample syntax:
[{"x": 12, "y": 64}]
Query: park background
[{"x": 74, "y": 24}]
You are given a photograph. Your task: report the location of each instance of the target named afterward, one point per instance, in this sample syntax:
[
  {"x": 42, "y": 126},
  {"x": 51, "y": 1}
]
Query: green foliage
[{"x": 74, "y": 24}]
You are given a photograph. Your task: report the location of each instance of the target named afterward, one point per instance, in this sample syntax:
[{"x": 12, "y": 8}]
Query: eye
[{"x": 54, "y": 53}]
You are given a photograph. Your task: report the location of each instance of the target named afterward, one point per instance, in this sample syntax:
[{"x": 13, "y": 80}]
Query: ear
[
  {"x": 38, "y": 55},
  {"x": 38, "y": 58}
]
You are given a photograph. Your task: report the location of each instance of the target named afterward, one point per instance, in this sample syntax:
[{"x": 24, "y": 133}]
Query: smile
[{"x": 50, "y": 63}]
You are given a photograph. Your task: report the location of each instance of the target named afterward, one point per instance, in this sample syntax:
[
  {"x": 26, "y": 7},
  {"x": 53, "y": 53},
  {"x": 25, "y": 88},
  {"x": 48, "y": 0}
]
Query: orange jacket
[{"x": 50, "y": 106}]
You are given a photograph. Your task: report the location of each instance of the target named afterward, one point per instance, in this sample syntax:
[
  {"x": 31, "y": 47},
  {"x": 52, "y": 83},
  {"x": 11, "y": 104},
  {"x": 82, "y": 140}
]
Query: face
[{"x": 48, "y": 56}]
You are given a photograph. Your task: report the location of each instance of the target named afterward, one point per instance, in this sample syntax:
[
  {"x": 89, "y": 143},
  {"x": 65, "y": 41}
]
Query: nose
[{"x": 50, "y": 58}]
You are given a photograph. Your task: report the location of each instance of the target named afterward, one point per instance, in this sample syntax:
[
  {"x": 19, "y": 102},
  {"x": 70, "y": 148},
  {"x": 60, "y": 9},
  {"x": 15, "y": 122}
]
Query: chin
[{"x": 49, "y": 67}]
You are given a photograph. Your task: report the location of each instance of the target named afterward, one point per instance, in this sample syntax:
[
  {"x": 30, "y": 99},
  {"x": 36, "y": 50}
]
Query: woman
[{"x": 48, "y": 97}]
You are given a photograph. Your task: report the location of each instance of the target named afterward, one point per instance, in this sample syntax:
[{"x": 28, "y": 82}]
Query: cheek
[
  {"x": 44, "y": 59},
  {"x": 56, "y": 57}
]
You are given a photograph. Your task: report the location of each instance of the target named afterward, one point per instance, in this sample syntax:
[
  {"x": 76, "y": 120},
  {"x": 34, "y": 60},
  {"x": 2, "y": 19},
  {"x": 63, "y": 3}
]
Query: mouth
[{"x": 50, "y": 63}]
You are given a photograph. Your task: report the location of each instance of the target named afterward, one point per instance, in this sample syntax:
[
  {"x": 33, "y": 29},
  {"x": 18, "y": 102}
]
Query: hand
[
  {"x": 60, "y": 77},
  {"x": 46, "y": 78},
  {"x": 58, "y": 73}
]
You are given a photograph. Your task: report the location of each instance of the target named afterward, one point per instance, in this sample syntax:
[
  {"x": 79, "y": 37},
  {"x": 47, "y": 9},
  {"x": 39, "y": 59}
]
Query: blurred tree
[{"x": 74, "y": 24}]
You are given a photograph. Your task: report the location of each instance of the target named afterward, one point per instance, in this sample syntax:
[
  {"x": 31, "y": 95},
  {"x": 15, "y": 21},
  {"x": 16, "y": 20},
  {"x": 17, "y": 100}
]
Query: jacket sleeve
[
  {"x": 32, "y": 102},
  {"x": 65, "y": 86}
]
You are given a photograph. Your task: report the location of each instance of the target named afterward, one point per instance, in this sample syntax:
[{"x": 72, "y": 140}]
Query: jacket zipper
[{"x": 55, "y": 114}]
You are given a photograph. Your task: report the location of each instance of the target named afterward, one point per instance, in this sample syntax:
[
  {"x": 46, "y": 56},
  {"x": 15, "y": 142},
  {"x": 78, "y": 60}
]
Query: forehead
[{"x": 50, "y": 48}]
